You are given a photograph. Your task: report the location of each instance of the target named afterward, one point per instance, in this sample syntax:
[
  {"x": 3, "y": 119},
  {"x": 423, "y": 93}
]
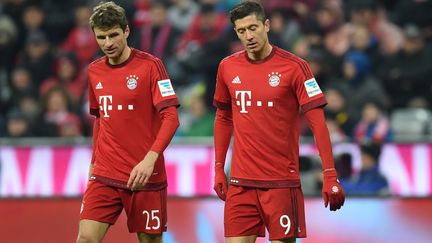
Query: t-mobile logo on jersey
[
  {"x": 244, "y": 99},
  {"x": 106, "y": 101}
]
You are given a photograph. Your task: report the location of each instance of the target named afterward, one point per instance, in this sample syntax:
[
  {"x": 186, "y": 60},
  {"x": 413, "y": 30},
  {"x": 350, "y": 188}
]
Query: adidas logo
[
  {"x": 236, "y": 80},
  {"x": 99, "y": 85}
]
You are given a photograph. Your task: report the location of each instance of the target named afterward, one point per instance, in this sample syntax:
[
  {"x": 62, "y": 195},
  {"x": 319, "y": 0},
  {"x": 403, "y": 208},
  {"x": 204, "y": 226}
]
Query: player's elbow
[
  {"x": 223, "y": 117},
  {"x": 176, "y": 122}
]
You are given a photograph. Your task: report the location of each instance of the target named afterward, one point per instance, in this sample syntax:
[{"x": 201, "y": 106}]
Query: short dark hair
[
  {"x": 247, "y": 8},
  {"x": 372, "y": 149},
  {"x": 107, "y": 15}
]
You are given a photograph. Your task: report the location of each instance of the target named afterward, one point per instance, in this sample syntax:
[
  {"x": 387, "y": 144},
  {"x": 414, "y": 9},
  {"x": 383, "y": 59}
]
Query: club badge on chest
[
  {"x": 132, "y": 81},
  {"x": 274, "y": 79}
]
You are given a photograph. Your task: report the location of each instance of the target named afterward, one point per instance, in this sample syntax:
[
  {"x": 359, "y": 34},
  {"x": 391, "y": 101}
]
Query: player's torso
[
  {"x": 261, "y": 92},
  {"x": 265, "y": 115},
  {"x": 121, "y": 92},
  {"x": 128, "y": 120}
]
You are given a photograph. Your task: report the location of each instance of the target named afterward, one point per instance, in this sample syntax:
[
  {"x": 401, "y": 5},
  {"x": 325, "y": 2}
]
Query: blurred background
[{"x": 372, "y": 58}]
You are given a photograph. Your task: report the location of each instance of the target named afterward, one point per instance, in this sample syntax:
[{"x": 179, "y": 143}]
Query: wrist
[
  {"x": 151, "y": 156},
  {"x": 330, "y": 173},
  {"x": 219, "y": 166}
]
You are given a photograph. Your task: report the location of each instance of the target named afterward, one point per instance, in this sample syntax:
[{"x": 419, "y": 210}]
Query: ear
[
  {"x": 127, "y": 31},
  {"x": 267, "y": 25}
]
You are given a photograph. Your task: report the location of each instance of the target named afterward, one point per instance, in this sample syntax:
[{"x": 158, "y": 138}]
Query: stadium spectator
[
  {"x": 17, "y": 125},
  {"x": 29, "y": 105},
  {"x": 284, "y": 29},
  {"x": 57, "y": 112},
  {"x": 33, "y": 19},
  {"x": 359, "y": 81},
  {"x": 208, "y": 25},
  {"x": 37, "y": 57},
  {"x": 374, "y": 125},
  {"x": 366, "y": 12},
  {"x": 80, "y": 39},
  {"x": 197, "y": 117},
  {"x": 8, "y": 45},
  {"x": 338, "y": 110},
  {"x": 21, "y": 85},
  {"x": 182, "y": 12},
  {"x": 406, "y": 75},
  {"x": 299, "y": 8},
  {"x": 142, "y": 14},
  {"x": 67, "y": 74},
  {"x": 157, "y": 36},
  {"x": 203, "y": 39},
  {"x": 369, "y": 180}
]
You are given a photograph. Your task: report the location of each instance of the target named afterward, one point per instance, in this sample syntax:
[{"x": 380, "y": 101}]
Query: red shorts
[
  {"x": 248, "y": 211},
  {"x": 145, "y": 210}
]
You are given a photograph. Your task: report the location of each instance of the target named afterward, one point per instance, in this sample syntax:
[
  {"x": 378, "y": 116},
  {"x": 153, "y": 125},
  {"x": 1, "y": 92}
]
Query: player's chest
[
  {"x": 124, "y": 87},
  {"x": 253, "y": 83}
]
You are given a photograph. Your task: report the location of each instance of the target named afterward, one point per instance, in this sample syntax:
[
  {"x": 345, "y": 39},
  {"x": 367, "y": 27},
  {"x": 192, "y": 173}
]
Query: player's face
[
  {"x": 252, "y": 33},
  {"x": 112, "y": 41}
]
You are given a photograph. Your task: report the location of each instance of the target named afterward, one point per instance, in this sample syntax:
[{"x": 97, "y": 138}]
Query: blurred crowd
[{"x": 372, "y": 58}]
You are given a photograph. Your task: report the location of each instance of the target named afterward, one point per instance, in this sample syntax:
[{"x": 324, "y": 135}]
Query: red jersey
[
  {"x": 127, "y": 98},
  {"x": 265, "y": 98}
]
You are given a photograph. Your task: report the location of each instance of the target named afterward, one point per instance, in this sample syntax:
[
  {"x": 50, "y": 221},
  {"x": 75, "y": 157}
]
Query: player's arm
[
  {"x": 143, "y": 170},
  {"x": 95, "y": 138},
  {"x": 223, "y": 127},
  {"x": 332, "y": 191},
  {"x": 94, "y": 110}
]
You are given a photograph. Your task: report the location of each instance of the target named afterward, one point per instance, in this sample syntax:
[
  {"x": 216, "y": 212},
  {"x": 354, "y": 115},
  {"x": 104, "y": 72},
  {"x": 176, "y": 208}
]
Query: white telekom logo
[
  {"x": 243, "y": 102},
  {"x": 104, "y": 99},
  {"x": 105, "y": 102},
  {"x": 244, "y": 99}
]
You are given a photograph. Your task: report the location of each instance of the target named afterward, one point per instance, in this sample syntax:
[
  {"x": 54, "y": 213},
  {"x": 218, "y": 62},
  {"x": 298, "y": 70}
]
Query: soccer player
[
  {"x": 259, "y": 94},
  {"x": 135, "y": 106}
]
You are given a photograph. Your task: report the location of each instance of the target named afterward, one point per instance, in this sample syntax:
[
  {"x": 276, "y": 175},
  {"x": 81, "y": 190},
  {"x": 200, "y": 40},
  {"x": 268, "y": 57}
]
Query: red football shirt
[
  {"x": 128, "y": 98},
  {"x": 265, "y": 98}
]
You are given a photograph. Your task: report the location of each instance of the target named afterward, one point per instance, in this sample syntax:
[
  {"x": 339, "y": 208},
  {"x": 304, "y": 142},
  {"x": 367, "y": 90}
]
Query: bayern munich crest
[
  {"x": 274, "y": 79},
  {"x": 335, "y": 189},
  {"x": 132, "y": 81}
]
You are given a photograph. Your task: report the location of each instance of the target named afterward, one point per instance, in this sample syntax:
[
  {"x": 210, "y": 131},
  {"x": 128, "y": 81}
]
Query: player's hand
[
  {"x": 220, "y": 181},
  {"x": 332, "y": 191},
  {"x": 91, "y": 167},
  {"x": 142, "y": 172}
]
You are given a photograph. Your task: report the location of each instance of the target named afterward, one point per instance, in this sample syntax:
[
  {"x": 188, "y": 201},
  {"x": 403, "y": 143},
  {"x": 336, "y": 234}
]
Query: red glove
[
  {"x": 220, "y": 181},
  {"x": 332, "y": 191}
]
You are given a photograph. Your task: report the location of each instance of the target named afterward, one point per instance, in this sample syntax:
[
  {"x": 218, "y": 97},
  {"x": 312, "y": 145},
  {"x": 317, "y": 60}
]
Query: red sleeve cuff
[
  {"x": 222, "y": 105},
  {"x": 166, "y": 103},
  {"x": 94, "y": 112},
  {"x": 320, "y": 102}
]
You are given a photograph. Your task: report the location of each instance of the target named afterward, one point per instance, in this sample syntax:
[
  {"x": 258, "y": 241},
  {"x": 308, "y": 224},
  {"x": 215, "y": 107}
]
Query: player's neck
[
  {"x": 122, "y": 58},
  {"x": 258, "y": 56}
]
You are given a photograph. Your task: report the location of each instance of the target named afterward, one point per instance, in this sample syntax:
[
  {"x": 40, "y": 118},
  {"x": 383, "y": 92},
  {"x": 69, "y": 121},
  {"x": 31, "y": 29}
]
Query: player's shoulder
[
  {"x": 98, "y": 62},
  {"x": 288, "y": 56},
  {"x": 293, "y": 60},
  {"x": 233, "y": 57},
  {"x": 146, "y": 57}
]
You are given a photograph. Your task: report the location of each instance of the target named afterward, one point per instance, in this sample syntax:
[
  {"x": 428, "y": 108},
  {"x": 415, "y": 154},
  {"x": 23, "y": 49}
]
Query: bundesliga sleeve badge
[
  {"x": 312, "y": 87},
  {"x": 165, "y": 88}
]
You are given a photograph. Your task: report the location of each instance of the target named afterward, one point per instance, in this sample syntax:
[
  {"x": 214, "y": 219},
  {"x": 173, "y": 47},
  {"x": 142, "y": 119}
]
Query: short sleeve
[
  {"x": 308, "y": 92},
  {"x": 222, "y": 97},
  {"x": 163, "y": 94},
  {"x": 93, "y": 103}
]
